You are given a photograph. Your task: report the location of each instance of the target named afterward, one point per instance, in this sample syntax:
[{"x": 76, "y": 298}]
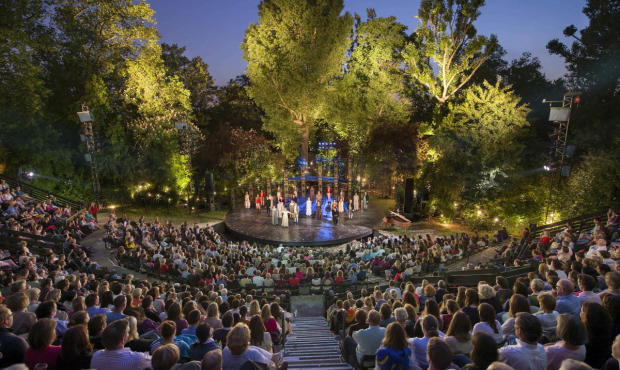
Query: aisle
[{"x": 312, "y": 346}]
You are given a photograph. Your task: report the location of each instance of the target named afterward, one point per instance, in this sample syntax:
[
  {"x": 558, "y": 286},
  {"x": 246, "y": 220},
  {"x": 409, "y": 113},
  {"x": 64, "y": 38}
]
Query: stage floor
[{"x": 249, "y": 225}]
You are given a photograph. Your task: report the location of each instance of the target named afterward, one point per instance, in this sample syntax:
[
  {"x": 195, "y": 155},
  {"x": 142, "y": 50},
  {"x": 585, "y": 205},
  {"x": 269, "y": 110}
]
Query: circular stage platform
[{"x": 249, "y": 225}]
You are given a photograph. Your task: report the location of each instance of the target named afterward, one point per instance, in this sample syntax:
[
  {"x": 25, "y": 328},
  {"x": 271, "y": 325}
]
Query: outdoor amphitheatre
[{"x": 309, "y": 184}]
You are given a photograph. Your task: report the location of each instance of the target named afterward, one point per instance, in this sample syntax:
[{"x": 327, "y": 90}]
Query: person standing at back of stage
[
  {"x": 334, "y": 213},
  {"x": 308, "y": 208},
  {"x": 247, "y": 200}
]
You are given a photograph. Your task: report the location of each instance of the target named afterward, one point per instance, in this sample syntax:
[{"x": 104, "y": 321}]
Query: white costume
[
  {"x": 341, "y": 206},
  {"x": 247, "y": 201},
  {"x": 356, "y": 202},
  {"x": 280, "y": 209},
  {"x": 285, "y": 214},
  {"x": 308, "y": 208}
]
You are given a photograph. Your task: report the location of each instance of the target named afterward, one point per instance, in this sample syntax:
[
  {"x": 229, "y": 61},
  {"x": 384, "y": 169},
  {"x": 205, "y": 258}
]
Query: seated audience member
[
  {"x": 614, "y": 362},
  {"x": 365, "y": 341},
  {"x": 458, "y": 336},
  {"x": 193, "y": 319},
  {"x": 395, "y": 353},
  {"x": 167, "y": 356},
  {"x": 166, "y": 331},
  {"x": 221, "y": 334},
  {"x": 12, "y": 347},
  {"x": 360, "y": 322},
  {"x": 483, "y": 353},
  {"x": 587, "y": 284},
  {"x": 41, "y": 351},
  {"x": 386, "y": 315},
  {"x": 239, "y": 350},
  {"x": 472, "y": 300},
  {"x": 570, "y": 364},
  {"x": 429, "y": 326},
  {"x": 518, "y": 303},
  {"x": 120, "y": 304},
  {"x": 612, "y": 304},
  {"x": 115, "y": 356},
  {"x": 598, "y": 325},
  {"x": 527, "y": 353},
  {"x": 439, "y": 355},
  {"x": 488, "y": 323},
  {"x": 47, "y": 310},
  {"x": 204, "y": 343},
  {"x": 489, "y": 296},
  {"x": 259, "y": 337},
  {"x": 566, "y": 301},
  {"x": 573, "y": 336},
  {"x": 95, "y": 326},
  {"x": 547, "y": 316},
  {"x": 76, "y": 350},
  {"x": 212, "y": 360},
  {"x": 22, "y": 319}
]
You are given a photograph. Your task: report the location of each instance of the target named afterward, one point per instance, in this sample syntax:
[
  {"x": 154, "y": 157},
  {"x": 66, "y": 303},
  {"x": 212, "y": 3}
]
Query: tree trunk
[{"x": 305, "y": 143}]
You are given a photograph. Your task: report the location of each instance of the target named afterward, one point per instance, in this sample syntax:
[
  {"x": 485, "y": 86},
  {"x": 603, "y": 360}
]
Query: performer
[
  {"x": 341, "y": 204},
  {"x": 296, "y": 212},
  {"x": 274, "y": 215},
  {"x": 312, "y": 193},
  {"x": 285, "y": 213},
  {"x": 280, "y": 207},
  {"x": 350, "y": 209},
  {"x": 334, "y": 213},
  {"x": 295, "y": 191},
  {"x": 342, "y": 193},
  {"x": 366, "y": 198},
  {"x": 262, "y": 197},
  {"x": 328, "y": 192},
  {"x": 308, "y": 208},
  {"x": 319, "y": 210},
  {"x": 247, "y": 200},
  {"x": 294, "y": 198},
  {"x": 268, "y": 204},
  {"x": 279, "y": 193},
  {"x": 356, "y": 202},
  {"x": 258, "y": 204}
]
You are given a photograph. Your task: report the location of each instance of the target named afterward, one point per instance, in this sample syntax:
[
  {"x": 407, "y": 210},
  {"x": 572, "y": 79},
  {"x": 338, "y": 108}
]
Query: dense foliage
[{"x": 440, "y": 104}]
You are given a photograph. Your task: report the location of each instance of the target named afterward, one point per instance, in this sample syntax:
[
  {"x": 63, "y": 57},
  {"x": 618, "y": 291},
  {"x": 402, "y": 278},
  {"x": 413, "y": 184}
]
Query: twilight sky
[{"x": 214, "y": 29}]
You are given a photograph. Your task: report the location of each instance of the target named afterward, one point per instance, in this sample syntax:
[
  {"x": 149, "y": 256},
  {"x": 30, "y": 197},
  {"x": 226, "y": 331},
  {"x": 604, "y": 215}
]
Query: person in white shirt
[
  {"x": 587, "y": 284},
  {"x": 557, "y": 266},
  {"x": 547, "y": 316},
  {"x": 527, "y": 354},
  {"x": 488, "y": 323},
  {"x": 258, "y": 280}
]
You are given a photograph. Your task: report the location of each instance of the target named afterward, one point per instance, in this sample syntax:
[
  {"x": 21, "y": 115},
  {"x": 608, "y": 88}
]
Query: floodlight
[
  {"x": 181, "y": 125},
  {"x": 86, "y": 116}
]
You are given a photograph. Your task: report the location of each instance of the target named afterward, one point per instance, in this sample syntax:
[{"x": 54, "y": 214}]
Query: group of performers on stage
[{"x": 277, "y": 209}]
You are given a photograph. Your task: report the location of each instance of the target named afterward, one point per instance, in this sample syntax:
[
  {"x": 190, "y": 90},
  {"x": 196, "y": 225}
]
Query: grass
[
  {"x": 177, "y": 215},
  {"x": 421, "y": 227}
]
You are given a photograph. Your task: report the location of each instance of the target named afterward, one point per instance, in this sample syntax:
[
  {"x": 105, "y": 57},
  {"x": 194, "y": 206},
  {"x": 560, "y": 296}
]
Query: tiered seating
[{"x": 312, "y": 346}]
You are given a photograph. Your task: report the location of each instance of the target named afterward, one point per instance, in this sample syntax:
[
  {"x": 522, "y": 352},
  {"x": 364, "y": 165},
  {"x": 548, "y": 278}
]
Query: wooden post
[
  {"x": 285, "y": 174},
  {"x": 232, "y": 198},
  {"x": 303, "y": 183},
  {"x": 350, "y": 179},
  {"x": 268, "y": 186},
  {"x": 336, "y": 191},
  {"x": 320, "y": 173}
]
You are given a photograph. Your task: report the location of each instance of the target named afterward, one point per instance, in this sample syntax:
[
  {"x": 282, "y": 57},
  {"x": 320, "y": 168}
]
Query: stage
[{"x": 249, "y": 225}]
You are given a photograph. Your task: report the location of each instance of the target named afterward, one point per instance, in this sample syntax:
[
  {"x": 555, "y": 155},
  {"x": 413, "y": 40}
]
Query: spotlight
[
  {"x": 31, "y": 174},
  {"x": 479, "y": 213}
]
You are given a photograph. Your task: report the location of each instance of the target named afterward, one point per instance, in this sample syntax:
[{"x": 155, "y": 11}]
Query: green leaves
[
  {"x": 447, "y": 41},
  {"x": 294, "y": 52}
]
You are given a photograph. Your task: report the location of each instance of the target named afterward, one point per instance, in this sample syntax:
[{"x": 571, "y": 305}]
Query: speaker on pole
[{"x": 408, "y": 206}]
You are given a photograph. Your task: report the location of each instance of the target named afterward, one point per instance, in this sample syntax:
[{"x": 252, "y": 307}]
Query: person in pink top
[
  {"x": 41, "y": 351},
  {"x": 573, "y": 336}
]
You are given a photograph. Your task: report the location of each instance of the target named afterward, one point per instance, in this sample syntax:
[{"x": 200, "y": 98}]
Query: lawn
[
  {"x": 177, "y": 215},
  {"x": 421, "y": 227}
]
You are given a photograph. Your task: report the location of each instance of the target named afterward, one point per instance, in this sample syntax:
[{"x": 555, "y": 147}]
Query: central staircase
[{"x": 312, "y": 346}]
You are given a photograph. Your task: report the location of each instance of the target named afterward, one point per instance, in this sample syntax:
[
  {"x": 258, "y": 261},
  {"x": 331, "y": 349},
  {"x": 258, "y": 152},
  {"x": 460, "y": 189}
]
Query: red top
[
  {"x": 271, "y": 325},
  {"x": 339, "y": 279},
  {"x": 93, "y": 210},
  {"x": 257, "y": 200},
  {"x": 163, "y": 268},
  {"x": 293, "y": 281},
  {"x": 48, "y": 356}
]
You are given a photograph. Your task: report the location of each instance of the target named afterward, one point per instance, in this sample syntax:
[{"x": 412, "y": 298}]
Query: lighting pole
[
  {"x": 87, "y": 118},
  {"x": 561, "y": 118}
]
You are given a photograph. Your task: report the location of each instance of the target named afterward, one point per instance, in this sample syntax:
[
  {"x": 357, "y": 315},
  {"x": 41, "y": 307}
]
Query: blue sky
[{"x": 214, "y": 29}]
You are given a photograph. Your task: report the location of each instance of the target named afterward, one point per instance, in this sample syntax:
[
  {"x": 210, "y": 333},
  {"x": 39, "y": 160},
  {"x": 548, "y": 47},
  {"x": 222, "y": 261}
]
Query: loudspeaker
[
  {"x": 566, "y": 170},
  {"x": 408, "y": 206},
  {"x": 209, "y": 182}
]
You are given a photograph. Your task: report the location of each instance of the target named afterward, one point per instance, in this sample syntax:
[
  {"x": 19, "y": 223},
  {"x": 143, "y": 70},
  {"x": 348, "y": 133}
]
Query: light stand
[
  {"x": 87, "y": 118},
  {"x": 561, "y": 118}
]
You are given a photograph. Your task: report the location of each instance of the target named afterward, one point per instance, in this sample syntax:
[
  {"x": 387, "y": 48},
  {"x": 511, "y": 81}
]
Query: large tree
[
  {"x": 447, "y": 41},
  {"x": 294, "y": 51},
  {"x": 372, "y": 88}
]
